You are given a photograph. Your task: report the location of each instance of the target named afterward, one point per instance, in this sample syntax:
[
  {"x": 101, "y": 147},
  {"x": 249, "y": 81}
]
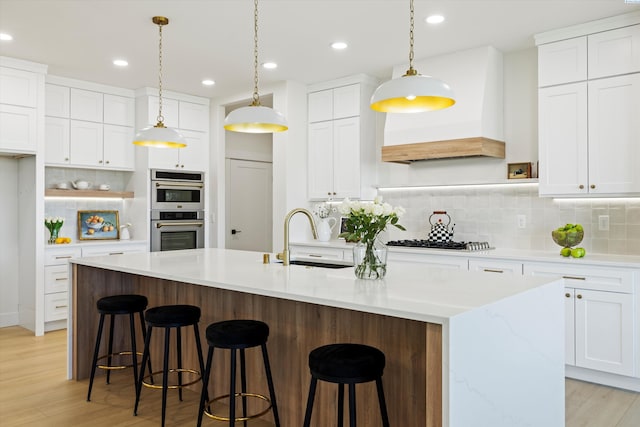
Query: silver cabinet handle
[
  {"x": 178, "y": 224},
  {"x": 116, "y": 253},
  {"x": 179, "y": 184},
  {"x": 64, "y": 257},
  {"x": 574, "y": 277},
  {"x": 62, "y": 306},
  {"x": 489, "y": 270},
  {"x": 60, "y": 279}
]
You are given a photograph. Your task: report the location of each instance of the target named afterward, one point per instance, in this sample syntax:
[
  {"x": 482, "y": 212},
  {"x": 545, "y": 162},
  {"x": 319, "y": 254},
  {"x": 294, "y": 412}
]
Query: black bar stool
[
  {"x": 167, "y": 317},
  {"x": 113, "y": 306},
  {"x": 346, "y": 364},
  {"x": 238, "y": 335}
]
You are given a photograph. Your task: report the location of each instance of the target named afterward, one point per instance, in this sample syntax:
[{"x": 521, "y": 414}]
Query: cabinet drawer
[
  {"x": 316, "y": 252},
  {"x": 496, "y": 266},
  {"x": 586, "y": 277},
  {"x": 56, "y": 306},
  {"x": 55, "y": 256},
  {"x": 113, "y": 250},
  {"x": 452, "y": 262},
  {"x": 56, "y": 278}
]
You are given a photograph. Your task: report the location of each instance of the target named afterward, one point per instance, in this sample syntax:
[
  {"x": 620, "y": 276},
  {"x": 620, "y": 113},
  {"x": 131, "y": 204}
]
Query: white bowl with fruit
[{"x": 569, "y": 236}]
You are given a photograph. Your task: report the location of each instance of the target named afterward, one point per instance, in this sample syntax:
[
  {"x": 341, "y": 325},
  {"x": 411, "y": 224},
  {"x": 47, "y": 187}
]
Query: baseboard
[
  {"x": 55, "y": 325},
  {"x": 604, "y": 378},
  {"x": 9, "y": 319}
]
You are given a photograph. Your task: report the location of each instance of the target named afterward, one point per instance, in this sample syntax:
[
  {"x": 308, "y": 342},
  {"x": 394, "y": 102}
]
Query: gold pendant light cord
[
  {"x": 160, "y": 117},
  {"x": 411, "y": 71},
  {"x": 256, "y": 97}
]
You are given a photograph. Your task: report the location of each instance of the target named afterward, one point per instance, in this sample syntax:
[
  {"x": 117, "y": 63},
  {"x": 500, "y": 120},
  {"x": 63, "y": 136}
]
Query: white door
[{"x": 249, "y": 205}]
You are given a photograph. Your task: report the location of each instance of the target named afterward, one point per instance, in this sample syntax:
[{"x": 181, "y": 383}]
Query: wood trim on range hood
[{"x": 454, "y": 148}]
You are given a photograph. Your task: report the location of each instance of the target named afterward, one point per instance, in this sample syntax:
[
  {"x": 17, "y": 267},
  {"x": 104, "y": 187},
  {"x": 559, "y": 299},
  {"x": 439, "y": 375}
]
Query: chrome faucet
[{"x": 284, "y": 255}]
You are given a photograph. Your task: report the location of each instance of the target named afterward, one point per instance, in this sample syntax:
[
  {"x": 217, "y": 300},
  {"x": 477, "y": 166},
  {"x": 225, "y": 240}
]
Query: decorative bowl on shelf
[{"x": 569, "y": 238}]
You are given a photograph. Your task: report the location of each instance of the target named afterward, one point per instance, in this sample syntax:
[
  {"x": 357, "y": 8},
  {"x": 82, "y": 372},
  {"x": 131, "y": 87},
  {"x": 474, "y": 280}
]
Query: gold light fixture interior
[{"x": 160, "y": 135}]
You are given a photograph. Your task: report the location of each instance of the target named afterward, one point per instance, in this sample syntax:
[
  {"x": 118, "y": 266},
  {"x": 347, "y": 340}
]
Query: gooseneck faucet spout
[{"x": 284, "y": 255}]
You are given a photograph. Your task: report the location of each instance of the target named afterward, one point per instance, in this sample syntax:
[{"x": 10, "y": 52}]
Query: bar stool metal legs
[{"x": 113, "y": 306}]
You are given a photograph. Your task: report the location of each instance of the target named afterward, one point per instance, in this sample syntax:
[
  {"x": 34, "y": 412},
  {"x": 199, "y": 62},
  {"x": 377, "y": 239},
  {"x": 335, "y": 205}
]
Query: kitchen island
[{"x": 462, "y": 348}]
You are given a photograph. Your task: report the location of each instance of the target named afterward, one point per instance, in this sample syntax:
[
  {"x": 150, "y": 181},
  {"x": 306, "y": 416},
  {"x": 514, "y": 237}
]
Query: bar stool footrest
[
  {"x": 248, "y": 417},
  {"x": 117, "y": 367},
  {"x": 172, "y": 386}
]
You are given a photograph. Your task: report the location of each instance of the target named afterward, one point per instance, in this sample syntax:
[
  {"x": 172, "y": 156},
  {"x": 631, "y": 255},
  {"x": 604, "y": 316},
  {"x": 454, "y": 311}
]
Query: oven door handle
[
  {"x": 179, "y": 184},
  {"x": 178, "y": 224}
]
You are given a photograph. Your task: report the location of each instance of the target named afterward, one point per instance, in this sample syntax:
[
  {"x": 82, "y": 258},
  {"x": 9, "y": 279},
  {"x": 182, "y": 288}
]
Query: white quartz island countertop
[{"x": 502, "y": 338}]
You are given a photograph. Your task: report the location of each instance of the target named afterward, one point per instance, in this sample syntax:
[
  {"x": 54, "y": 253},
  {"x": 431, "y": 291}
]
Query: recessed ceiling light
[
  {"x": 120, "y": 62},
  {"x": 208, "y": 82},
  {"x": 6, "y": 37},
  {"x": 339, "y": 45},
  {"x": 434, "y": 19},
  {"x": 269, "y": 65}
]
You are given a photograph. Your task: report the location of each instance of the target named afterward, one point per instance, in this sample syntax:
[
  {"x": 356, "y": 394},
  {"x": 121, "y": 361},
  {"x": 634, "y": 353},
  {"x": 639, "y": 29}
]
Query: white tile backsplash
[{"x": 490, "y": 214}]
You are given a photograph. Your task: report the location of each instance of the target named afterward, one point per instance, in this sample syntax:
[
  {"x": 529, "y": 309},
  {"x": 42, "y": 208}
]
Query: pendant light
[
  {"x": 413, "y": 92},
  {"x": 160, "y": 135},
  {"x": 255, "y": 118}
]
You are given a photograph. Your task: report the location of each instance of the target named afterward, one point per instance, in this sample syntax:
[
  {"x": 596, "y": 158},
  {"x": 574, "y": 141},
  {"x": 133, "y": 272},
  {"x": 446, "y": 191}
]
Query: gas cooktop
[{"x": 430, "y": 244}]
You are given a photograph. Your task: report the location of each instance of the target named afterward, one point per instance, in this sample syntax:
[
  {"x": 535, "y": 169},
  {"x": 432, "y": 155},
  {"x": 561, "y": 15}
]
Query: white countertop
[
  {"x": 626, "y": 261},
  {"x": 413, "y": 291}
]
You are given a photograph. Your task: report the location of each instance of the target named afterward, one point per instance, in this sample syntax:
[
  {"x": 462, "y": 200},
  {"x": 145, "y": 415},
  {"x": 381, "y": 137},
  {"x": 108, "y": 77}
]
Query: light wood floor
[{"x": 34, "y": 392}]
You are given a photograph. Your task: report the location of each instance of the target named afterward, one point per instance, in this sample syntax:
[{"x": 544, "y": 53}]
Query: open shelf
[{"x": 54, "y": 192}]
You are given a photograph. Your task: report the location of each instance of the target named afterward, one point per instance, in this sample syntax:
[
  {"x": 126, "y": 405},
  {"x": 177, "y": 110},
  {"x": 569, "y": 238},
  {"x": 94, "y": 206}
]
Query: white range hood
[{"x": 472, "y": 127}]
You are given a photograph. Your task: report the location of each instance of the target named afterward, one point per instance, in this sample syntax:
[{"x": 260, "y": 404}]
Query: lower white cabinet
[
  {"x": 56, "y": 306},
  {"x": 321, "y": 253},
  {"x": 442, "y": 261},
  {"x": 495, "y": 266}
]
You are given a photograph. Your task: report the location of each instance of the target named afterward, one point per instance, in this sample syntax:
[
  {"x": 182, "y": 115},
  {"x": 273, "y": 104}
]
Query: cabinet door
[
  {"x": 496, "y": 266},
  {"x": 57, "y": 101},
  {"x": 604, "y": 331},
  {"x": 193, "y": 116},
  {"x": 56, "y": 141},
  {"x": 56, "y": 278},
  {"x": 18, "y": 87},
  {"x": 194, "y": 156},
  {"x": 169, "y": 112},
  {"x": 118, "y": 150},
  {"x": 346, "y": 158},
  {"x": 562, "y": 139},
  {"x": 18, "y": 129},
  {"x": 346, "y": 101},
  {"x": 119, "y": 110},
  {"x": 163, "y": 158},
  {"x": 320, "y": 106},
  {"x": 86, "y": 105},
  {"x": 614, "y": 135},
  {"x": 320, "y": 166},
  {"x": 86, "y": 143},
  {"x": 614, "y": 52},
  {"x": 562, "y": 62},
  {"x": 569, "y": 327}
]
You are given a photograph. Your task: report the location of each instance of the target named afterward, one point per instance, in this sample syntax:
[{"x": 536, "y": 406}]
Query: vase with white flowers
[
  {"x": 364, "y": 222},
  {"x": 325, "y": 223},
  {"x": 53, "y": 225}
]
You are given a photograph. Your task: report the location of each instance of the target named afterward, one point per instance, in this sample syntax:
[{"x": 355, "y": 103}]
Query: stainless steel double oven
[{"x": 177, "y": 210}]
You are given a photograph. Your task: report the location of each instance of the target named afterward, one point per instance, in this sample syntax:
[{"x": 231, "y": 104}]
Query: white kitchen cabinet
[
  {"x": 193, "y": 117},
  {"x": 56, "y": 307},
  {"x": 118, "y": 151},
  {"x": 341, "y": 157},
  {"x": 18, "y": 87},
  {"x": 113, "y": 249},
  {"x": 320, "y": 253},
  {"x": 86, "y": 105},
  {"x": 614, "y": 52},
  {"x": 86, "y": 142},
  {"x": 188, "y": 158},
  {"x": 495, "y": 266},
  {"x": 57, "y": 101},
  {"x": 57, "y": 149},
  {"x": 562, "y": 62},
  {"x": 118, "y": 110},
  {"x": 150, "y": 104},
  {"x": 56, "y": 284},
  {"x": 18, "y": 129},
  {"x": 432, "y": 260}
]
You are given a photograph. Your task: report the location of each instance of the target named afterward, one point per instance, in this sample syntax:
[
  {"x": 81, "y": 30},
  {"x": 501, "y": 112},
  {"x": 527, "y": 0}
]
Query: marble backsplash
[{"x": 491, "y": 214}]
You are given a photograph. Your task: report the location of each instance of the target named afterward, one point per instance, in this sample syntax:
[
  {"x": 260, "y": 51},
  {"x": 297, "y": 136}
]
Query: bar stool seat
[
  {"x": 167, "y": 317},
  {"x": 346, "y": 364},
  {"x": 238, "y": 335},
  {"x": 117, "y": 305}
]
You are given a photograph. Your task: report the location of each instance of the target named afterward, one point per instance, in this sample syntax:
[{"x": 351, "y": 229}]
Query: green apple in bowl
[{"x": 568, "y": 236}]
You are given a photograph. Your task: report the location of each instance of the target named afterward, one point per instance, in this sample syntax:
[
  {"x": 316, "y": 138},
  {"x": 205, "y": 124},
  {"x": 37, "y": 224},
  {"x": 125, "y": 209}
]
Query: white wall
[{"x": 9, "y": 242}]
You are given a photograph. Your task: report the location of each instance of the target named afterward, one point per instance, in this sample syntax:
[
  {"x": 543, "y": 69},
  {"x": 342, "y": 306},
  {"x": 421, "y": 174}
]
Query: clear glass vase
[
  {"x": 54, "y": 235},
  {"x": 370, "y": 260}
]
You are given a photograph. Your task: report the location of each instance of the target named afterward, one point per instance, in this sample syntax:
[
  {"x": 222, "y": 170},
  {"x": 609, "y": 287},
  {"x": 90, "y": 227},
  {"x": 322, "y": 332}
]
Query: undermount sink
[{"x": 319, "y": 264}]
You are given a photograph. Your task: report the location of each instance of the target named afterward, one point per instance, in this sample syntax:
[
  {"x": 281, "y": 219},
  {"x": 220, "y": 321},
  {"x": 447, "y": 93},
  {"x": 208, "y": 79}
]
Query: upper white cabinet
[
  {"x": 88, "y": 125},
  {"x": 341, "y": 143},
  {"x": 188, "y": 115},
  {"x": 589, "y": 104}
]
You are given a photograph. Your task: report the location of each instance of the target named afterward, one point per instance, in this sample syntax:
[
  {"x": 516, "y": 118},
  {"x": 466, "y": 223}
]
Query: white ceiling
[{"x": 214, "y": 38}]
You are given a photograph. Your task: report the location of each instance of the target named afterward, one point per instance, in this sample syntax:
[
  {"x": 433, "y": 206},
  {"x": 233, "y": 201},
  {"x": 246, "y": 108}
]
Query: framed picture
[
  {"x": 98, "y": 225},
  {"x": 519, "y": 170}
]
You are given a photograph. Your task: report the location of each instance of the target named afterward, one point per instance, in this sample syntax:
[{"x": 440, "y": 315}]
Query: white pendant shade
[
  {"x": 160, "y": 136},
  {"x": 412, "y": 94},
  {"x": 255, "y": 119}
]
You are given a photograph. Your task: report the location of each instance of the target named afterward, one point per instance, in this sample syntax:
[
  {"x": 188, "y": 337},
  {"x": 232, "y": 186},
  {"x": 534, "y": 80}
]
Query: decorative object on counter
[
  {"x": 326, "y": 223},
  {"x": 364, "y": 222},
  {"x": 519, "y": 170},
  {"x": 53, "y": 225},
  {"x": 160, "y": 135},
  {"x": 98, "y": 225},
  {"x": 568, "y": 236},
  {"x": 412, "y": 92},
  {"x": 124, "y": 231},
  {"x": 439, "y": 230},
  {"x": 104, "y": 187},
  {"x": 255, "y": 118},
  {"x": 81, "y": 184}
]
